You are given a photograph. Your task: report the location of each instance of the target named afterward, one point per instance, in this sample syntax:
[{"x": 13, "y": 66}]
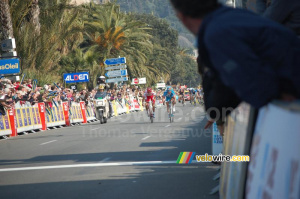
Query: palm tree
[
  {"x": 109, "y": 35},
  {"x": 35, "y": 20},
  {"x": 5, "y": 20}
]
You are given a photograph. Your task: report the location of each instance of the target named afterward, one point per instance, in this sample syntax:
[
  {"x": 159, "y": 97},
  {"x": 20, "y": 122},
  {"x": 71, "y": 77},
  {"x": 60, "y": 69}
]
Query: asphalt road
[{"x": 126, "y": 158}]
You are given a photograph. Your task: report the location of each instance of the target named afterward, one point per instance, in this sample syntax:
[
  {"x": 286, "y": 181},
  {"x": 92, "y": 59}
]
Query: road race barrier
[
  {"x": 274, "y": 169},
  {"x": 90, "y": 113},
  {"x": 75, "y": 113},
  {"x": 217, "y": 140},
  {"x": 55, "y": 116},
  {"x": 26, "y": 118},
  {"x": 5, "y": 125},
  {"x": 237, "y": 139}
]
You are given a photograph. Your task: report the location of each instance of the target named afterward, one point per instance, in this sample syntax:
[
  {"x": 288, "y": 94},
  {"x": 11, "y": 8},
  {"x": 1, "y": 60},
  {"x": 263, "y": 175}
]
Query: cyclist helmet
[
  {"x": 149, "y": 90},
  {"x": 169, "y": 88},
  {"x": 101, "y": 77}
]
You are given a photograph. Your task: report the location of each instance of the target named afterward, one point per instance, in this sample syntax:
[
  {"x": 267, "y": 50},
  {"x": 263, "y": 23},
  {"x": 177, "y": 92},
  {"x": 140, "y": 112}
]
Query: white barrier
[{"x": 274, "y": 170}]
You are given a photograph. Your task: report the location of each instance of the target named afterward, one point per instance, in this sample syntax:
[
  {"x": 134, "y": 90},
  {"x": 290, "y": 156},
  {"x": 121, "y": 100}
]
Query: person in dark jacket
[
  {"x": 255, "y": 57},
  {"x": 286, "y": 12}
]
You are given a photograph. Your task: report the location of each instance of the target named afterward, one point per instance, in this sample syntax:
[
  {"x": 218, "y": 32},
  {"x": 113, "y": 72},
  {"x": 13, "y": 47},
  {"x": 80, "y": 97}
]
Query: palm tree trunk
[
  {"x": 5, "y": 20},
  {"x": 35, "y": 20}
]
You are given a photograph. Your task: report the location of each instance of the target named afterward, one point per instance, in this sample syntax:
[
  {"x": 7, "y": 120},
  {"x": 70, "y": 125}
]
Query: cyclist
[
  {"x": 181, "y": 96},
  {"x": 169, "y": 95},
  {"x": 149, "y": 95}
]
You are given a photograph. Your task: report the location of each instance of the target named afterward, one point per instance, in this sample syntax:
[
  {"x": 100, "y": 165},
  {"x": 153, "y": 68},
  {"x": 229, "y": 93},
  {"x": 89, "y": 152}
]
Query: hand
[{"x": 209, "y": 124}]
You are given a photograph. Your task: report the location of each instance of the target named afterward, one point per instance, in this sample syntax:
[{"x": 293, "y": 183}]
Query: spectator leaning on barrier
[
  {"x": 255, "y": 57},
  {"x": 286, "y": 12}
]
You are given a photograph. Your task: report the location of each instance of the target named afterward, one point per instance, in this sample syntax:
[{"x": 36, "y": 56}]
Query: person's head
[
  {"x": 169, "y": 89},
  {"x": 191, "y": 12},
  {"x": 149, "y": 90},
  {"x": 101, "y": 88}
]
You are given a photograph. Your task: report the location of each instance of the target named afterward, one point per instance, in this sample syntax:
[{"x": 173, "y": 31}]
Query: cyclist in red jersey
[{"x": 149, "y": 95}]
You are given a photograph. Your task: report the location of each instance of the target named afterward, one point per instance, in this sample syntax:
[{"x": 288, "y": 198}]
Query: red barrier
[
  {"x": 42, "y": 115},
  {"x": 66, "y": 113},
  {"x": 12, "y": 119},
  {"x": 82, "y": 106}
]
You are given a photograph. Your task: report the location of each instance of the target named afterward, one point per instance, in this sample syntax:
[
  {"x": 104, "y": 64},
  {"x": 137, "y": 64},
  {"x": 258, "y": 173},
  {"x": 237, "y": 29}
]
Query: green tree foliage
[
  {"x": 64, "y": 38},
  {"x": 159, "y": 8},
  {"x": 179, "y": 63}
]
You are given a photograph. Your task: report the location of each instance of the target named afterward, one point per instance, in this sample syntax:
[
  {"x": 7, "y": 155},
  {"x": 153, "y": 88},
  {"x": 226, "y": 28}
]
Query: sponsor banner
[
  {"x": 76, "y": 77},
  {"x": 10, "y": 66},
  {"x": 274, "y": 169}
]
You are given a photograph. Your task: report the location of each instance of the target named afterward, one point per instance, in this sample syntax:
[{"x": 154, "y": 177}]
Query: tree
[
  {"x": 5, "y": 20},
  {"x": 108, "y": 34}
]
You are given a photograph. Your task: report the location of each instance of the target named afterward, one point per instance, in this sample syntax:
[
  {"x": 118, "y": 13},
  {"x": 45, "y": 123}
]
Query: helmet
[
  {"x": 102, "y": 77},
  {"x": 149, "y": 90},
  {"x": 169, "y": 88}
]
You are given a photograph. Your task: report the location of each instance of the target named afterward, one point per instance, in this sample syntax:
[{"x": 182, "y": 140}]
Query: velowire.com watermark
[{"x": 187, "y": 158}]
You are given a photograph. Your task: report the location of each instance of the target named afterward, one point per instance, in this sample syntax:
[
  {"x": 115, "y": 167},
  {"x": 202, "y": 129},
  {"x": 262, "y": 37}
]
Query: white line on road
[
  {"x": 167, "y": 126},
  {"x": 146, "y": 137},
  {"x": 48, "y": 142},
  {"x": 89, "y": 165},
  {"x": 105, "y": 159},
  {"x": 180, "y": 118}
]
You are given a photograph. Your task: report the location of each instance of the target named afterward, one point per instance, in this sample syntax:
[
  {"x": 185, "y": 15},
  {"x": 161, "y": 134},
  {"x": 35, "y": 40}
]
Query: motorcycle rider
[
  {"x": 102, "y": 83},
  {"x": 100, "y": 92}
]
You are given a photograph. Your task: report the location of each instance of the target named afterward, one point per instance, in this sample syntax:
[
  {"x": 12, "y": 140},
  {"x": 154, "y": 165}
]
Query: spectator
[
  {"x": 255, "y": 57},
  {"x": 286, "y": 12}
]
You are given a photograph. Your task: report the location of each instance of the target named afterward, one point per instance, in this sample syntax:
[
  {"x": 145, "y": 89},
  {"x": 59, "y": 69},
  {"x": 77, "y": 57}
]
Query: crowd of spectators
[{"x": 27, "y": 93}]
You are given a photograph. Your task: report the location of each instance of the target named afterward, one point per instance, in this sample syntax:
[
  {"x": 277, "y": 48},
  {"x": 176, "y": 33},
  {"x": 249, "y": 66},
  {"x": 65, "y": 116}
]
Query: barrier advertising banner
[{"x": 274, "y": 169}]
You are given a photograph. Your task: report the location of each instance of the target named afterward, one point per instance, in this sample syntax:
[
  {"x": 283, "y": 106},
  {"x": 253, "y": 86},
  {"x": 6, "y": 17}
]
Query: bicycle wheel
[
  {"x": 151, "y": 112},
  {"x": 170, "y": 112}
]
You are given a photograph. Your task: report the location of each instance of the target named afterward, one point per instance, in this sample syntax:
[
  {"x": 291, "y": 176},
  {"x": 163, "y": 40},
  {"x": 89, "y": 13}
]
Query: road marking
[
  {"x": 146, "y": 137},
  {"x": 89, "y": 165},
  {"x": 48, "y": 142},
  {"x": 105, "y": 159},
  {"x": 180, "y": 118},
  {"x": 167, "y": 126}
]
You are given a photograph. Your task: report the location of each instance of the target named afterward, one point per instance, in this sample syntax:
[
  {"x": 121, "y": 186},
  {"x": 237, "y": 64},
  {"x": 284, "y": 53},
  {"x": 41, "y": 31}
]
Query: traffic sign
[
  {"x": 116, "y": 73},
  {"x": 8, "y": 44},
  {"x": 116, "y": 67},
  {"x": 139, "y": 81},
  {"x": 115, "y": 61},
  {"x": 120, "y": 79}
]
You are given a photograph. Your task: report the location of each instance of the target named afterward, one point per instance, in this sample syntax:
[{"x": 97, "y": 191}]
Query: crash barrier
[
  {"x": 126, "y": 105},
  {"x": 217, "y": 140},
  {"x": 274, "y": 169},
  {"x": 273, "y": 139},
  {"x": 24, "y": 117},
  {"x": 237, "y": 138}
]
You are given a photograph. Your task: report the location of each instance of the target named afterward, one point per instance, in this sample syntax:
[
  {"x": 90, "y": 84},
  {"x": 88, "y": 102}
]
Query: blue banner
[
  {"x": 10, "y": 66},
  {"x": 76, "y": 77}
]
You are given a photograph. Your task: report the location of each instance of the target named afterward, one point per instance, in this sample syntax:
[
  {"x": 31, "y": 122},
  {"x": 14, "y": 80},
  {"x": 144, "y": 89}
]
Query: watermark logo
[{"x": 185, "y": 157}]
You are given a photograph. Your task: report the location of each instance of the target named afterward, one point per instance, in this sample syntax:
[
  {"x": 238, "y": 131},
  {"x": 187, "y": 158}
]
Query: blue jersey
[{"x": 169, "y": 96}]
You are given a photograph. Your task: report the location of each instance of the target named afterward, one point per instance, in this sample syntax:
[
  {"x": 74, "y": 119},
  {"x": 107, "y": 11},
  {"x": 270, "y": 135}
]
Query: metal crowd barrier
[{"x": 26, "y": 118}]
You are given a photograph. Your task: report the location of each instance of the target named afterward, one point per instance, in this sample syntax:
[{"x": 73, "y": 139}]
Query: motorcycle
[{"x": 102, "y": 109}]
